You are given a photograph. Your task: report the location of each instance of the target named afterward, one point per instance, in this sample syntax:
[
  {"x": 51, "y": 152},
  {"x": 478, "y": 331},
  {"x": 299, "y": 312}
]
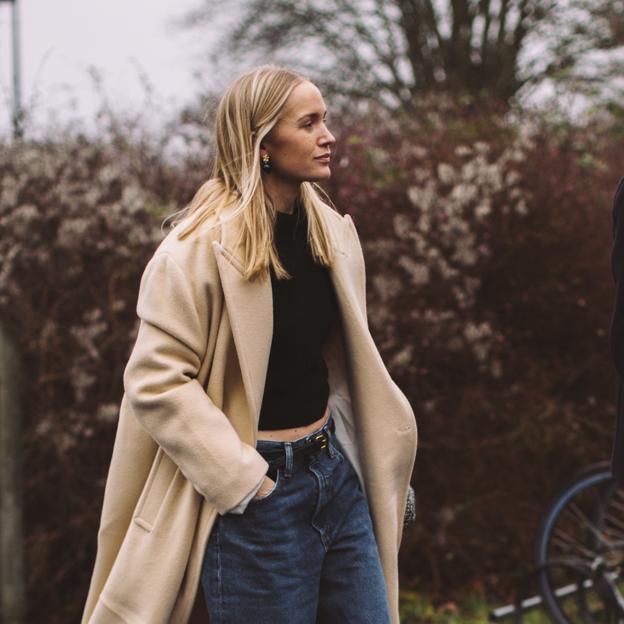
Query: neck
[{"x": 283, "y": 194}]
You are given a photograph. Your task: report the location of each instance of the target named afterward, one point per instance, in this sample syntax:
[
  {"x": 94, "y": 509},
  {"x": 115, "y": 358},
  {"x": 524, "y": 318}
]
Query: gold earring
[{"x": 265, "y": 163}]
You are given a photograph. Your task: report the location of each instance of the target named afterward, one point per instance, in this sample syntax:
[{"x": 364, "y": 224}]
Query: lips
[{"x": 326, "y": 157}]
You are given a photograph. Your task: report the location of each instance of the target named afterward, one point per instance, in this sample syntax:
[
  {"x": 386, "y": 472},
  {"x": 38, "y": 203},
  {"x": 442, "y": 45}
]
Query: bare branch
[
  {"x": 502, "y": 23},
  {"x": 400, "y": 47},
  {"x": 485, "y": 36}
]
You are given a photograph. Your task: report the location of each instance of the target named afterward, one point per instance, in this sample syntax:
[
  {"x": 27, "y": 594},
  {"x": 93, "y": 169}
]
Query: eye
[{"x": 308, "y": 124}]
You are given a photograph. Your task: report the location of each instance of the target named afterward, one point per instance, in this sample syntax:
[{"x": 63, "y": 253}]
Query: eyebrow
[{"x": 311, "y": 115}]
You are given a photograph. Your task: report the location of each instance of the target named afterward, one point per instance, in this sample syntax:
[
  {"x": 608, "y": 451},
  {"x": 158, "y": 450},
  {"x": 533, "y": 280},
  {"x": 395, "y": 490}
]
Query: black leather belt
[{"x": 277, "y": 457}]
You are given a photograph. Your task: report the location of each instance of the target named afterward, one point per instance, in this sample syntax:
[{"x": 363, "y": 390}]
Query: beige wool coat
[{"x": 184, "y": 449}]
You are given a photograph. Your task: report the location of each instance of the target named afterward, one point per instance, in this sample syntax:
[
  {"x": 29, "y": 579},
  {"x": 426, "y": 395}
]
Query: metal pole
[
  {"x": 17, "y": 113},
  {"x": 12, "y": 585},
  {"x": 18, "y": 129}
]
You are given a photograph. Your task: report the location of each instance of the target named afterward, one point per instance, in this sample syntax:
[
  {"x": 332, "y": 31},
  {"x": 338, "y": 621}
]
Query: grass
[{"x": 471, "y": 609}]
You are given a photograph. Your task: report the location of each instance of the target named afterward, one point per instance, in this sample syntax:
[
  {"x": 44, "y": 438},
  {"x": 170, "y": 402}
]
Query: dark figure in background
[{"x": 616, "y": 330}]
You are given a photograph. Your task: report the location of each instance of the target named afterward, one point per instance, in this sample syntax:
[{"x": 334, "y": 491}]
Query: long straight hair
[{"x": 250, "y": 107}]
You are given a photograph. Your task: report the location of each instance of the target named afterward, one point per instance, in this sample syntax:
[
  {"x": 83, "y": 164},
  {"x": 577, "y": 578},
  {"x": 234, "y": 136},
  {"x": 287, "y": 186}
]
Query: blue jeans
[{"x": 303, "y": 554}]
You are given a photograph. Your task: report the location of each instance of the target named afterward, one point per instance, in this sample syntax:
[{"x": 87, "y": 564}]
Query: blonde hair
[{"x": 250, "y": 107}]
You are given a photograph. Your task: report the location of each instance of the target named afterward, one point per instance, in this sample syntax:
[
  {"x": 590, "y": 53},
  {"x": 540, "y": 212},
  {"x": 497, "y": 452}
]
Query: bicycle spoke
[
  {"x": 581, "y": 539},
  {"x": 565, "y": 541}
]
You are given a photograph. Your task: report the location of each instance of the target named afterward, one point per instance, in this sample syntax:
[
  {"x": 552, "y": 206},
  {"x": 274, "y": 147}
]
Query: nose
[{"x": 327, "y": 138}]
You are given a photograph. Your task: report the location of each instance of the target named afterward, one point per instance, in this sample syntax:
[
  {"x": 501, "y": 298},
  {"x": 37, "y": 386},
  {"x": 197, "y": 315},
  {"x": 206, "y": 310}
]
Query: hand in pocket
[{"x": 268, "y": 485}]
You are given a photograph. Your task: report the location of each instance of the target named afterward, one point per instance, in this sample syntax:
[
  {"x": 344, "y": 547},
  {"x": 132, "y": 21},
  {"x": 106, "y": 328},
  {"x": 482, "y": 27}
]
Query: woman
[{"x": 263, "y": 453}]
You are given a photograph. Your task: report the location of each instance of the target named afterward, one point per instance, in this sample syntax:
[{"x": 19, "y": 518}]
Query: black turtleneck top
[{"x": 304, "y": 308}]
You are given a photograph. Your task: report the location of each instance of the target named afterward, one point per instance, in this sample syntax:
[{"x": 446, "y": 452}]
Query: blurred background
[{"x": 479, "y": 144}]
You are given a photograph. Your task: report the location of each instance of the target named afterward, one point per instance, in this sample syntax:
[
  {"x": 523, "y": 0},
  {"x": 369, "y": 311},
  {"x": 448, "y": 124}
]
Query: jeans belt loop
[{"x": 319, "y": 441}]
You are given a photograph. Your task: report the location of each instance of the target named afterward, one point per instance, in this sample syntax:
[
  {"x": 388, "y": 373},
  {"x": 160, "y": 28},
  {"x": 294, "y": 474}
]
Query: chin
[{"x": 319, "y": 176}]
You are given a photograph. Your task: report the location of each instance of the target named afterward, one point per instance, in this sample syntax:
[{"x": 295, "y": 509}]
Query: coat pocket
[{"x": 159, "y": 480}]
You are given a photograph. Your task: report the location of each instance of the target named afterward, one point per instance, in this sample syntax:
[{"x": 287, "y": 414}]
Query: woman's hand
[{"x": 267, "y": 485}]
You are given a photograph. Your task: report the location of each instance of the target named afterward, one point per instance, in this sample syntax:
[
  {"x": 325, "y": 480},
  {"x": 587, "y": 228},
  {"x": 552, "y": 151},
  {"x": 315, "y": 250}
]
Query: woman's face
[{"x": 299, "y": 138}]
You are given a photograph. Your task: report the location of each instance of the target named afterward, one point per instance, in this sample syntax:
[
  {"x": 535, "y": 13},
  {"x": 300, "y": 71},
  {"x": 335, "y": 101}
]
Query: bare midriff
[{"x": 294, "y": 433}]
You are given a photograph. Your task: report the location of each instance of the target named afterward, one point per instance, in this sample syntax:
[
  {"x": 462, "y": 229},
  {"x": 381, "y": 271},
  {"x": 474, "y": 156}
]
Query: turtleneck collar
[
  {"x": 290, "y": 219},
  {"x": 296, "y": 210},
  {"x": 286, "y": 223}
]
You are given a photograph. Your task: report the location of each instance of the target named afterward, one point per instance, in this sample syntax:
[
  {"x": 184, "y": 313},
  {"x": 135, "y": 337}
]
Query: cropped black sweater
[{"x": 304, "y": 308}]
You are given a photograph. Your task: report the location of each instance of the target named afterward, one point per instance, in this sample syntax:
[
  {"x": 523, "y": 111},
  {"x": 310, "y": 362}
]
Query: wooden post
[{"x": 12, "y": 599}]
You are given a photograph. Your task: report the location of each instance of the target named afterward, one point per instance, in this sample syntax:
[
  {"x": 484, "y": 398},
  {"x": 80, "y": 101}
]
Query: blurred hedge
[
  {"x": 487, "y": 246},
  {"x": 490, "y": 292},
  {"x": 79, "y": 218}
]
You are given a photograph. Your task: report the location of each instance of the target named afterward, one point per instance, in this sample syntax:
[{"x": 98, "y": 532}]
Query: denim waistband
[{"x": 273, "y": 445}]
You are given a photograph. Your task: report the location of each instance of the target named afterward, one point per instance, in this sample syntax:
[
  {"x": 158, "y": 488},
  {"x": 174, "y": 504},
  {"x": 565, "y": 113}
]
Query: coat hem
[{"x": 113, "y": 613}]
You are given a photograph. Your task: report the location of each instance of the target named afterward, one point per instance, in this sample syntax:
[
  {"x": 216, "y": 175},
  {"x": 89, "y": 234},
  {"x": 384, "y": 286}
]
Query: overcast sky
[{"x": 61, "y": 38}]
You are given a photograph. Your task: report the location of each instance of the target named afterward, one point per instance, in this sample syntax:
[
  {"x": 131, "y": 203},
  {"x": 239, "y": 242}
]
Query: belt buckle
[{"x": 321, "y": 437}]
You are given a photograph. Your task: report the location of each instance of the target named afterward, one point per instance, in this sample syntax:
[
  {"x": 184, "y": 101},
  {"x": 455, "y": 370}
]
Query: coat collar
[{"x": 250, "y": 303}]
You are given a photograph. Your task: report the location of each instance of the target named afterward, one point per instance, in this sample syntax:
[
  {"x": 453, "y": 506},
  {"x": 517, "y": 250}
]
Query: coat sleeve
[
  {"x": 240, "y": 508},
  {"x": 160, "y": 382},
  {"x": 616, "y": 329}
]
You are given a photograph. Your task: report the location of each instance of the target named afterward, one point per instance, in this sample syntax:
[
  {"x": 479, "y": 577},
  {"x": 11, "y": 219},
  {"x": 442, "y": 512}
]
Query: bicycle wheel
[{"x": 579, "y": 549}]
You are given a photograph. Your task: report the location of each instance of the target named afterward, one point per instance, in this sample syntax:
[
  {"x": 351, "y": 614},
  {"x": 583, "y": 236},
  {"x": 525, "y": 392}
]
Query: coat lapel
[
  {"x": 250, "y": 310},
  {"x": 250, "y": 306}
]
